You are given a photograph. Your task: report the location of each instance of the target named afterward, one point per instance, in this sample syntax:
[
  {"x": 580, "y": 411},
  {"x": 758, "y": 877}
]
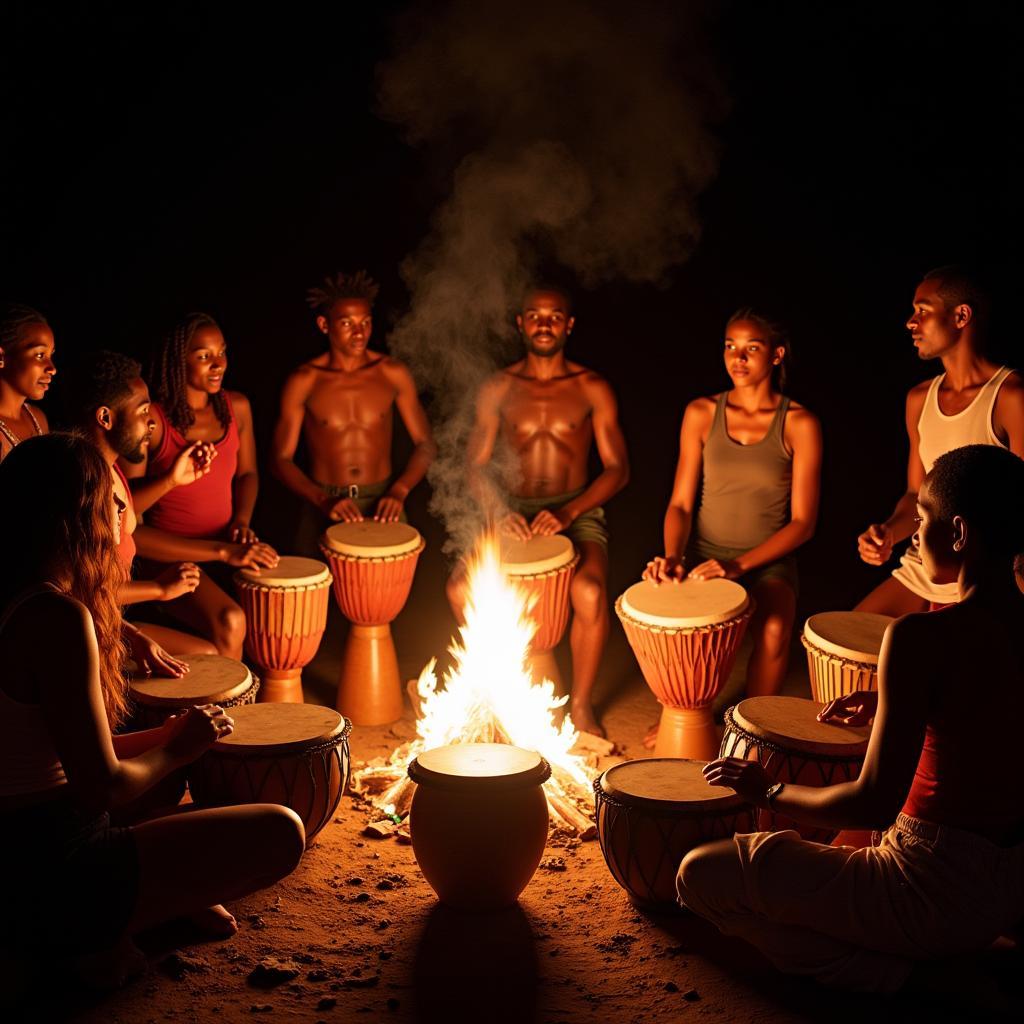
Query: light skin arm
[
  {"x": 172, "y": 583},
  {"x": 246, "y": 483}
]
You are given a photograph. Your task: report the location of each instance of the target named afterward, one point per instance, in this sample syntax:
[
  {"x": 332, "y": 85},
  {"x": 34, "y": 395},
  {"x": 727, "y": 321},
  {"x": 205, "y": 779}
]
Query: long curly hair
[
  {"x": 167, "y": 375},
  {"x": 57, "y": 527}
]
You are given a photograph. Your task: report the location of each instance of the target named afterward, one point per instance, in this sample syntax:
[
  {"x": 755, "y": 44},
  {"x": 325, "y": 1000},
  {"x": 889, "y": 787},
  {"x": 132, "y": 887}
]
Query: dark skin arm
[
  {"x": 246, "y": 483},
  {"x": 287, "y": 431},
  {"x": 482, "y": 440}
]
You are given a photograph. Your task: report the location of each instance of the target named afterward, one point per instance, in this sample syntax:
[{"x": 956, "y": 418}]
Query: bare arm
[
  {"x": 418, "y": 427},
  {"x": 288, "y": 430},
  {"x": 482, "y": 440},
  {"x": 1008, "y": 415},
  {"x": 246, "y": 482}
]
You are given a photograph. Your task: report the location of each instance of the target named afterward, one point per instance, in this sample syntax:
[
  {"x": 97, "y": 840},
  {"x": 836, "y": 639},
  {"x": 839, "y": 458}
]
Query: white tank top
[{"x": 940, "y": 433}]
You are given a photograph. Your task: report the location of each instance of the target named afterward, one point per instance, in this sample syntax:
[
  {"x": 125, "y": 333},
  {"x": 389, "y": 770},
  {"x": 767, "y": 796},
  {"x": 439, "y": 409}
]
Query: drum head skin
[
  {"x": 855, "y": 636},
  {"x": 686, "y": 605},
  {"x": 536, "y": 555},
  {"x": 668, "y": 783},
  {"x": 792, "y": 722},
  {"x": 471, "y": 765},
  {"x": 210, "y": 679},
  {"x": 281, "y": 728},
  {"x": 290, "y": 571},
  {"x": 369, "y": 539}
]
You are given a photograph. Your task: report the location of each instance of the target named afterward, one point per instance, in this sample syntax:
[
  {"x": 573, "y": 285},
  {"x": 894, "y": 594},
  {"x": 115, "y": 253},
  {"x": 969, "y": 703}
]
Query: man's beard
[
  {"x": 121, "y": 442},
  {"x": 545, "y": 353}
]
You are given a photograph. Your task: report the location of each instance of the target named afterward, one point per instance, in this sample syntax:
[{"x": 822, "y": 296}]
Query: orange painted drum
[
  {"x": 285, "y": 614},
  {"x": 479, "y": 821},
  {"x": 785, "y": 736},
  {"x": 291, "y": 754},
  {"x": 211, "y": 679},
  {"x": 651, "y": 813},
  {"x": 685, "y": 637},
  {"x": 543, "y": 567},
  {"x": 842, "y": 652},
  {"x": 372, "y": 565}
]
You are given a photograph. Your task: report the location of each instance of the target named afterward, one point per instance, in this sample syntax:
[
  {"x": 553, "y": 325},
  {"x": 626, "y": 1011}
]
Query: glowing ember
[{"x": 489, "y": 696}]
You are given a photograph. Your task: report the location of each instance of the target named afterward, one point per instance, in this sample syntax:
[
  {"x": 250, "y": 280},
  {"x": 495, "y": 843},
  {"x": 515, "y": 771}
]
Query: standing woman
[
  {"x": 191, "y": 405},
  {"x": 759, "y": 454},
  {"x": 26, "y": 371}
]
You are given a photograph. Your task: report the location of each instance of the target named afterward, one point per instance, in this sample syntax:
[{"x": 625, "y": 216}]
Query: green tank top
[{"x": 746, "y": 488}]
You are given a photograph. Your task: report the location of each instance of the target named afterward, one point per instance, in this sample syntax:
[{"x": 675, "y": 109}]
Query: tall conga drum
[
  {"x": 785, "y": 736},
  {"x": 543, "y": 568},
  {"x": 211, "y": 679},
  {"x": 842, "y": 652},
  {"x": 373, "y": 565},
  {"x": 685, "y": 637},
  {"x": 651, "y": 813},
  {"x": 285, "y": 617},
  {"x": 290, "y": 754}
]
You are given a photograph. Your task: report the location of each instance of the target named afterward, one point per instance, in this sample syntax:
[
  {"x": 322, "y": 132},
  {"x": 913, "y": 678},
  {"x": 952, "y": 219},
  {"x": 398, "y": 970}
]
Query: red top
[
  {"x": 126, "y": 545},
  {"x": 202, "y": 509}
]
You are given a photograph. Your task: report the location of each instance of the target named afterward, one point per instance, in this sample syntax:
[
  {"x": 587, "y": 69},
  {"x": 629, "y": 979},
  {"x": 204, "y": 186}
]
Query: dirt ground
[{"x": 360, "y": 936}]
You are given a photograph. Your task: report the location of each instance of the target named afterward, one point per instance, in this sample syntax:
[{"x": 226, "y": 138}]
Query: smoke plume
[{"x": 575, "y": 132}]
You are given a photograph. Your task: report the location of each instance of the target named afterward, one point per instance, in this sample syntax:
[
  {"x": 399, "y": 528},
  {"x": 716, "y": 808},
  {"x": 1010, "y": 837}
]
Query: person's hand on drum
[
  {"x": 857, "y": 708},
  {"x": 748, "y": 778},
  {"x": 514, "y": 525},
  {"x": 547, "y": 522},
  {"x": 344, "y": 510},
  {"x": 389, "y": 509},
  {"x": 150, "y": 658},
  {"x": 714, "y": 568},
  {"x": 241, "y": 532},
  {"x": 178, "y": 580},
  {"x": 874, "y": 545},
  {"x": 252, "y": 556},
  {"x": 192, "y": 464},
  {"x": 191, "y": 734},
  {"x": 664, "y": 569}
]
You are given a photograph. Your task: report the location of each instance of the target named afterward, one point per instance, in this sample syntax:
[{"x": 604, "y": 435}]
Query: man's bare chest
[{"x": 342, "y": 404}]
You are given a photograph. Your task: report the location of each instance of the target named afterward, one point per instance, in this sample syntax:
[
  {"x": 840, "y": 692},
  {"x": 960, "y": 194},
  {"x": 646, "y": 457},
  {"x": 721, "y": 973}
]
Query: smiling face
[
  {"x": 934, "y": 327},
  {"x": 131, "y": 424},
  {"x": 206, "y": 360},
  {"x": 28, "y": 366},
  {"x": 545, "y": 322},
  {"x": 749, "y": 354},
  {"x": 348, "y": 325}
]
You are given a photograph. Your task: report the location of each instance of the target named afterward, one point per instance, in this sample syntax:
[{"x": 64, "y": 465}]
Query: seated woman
[
  {"x": 948, "y": 877},
  {"x": 758, "y": 454},
  {"x": 26, "y": 371},
  {"x": 213, "y": 514},
  {"x": 83, "y": 887}
]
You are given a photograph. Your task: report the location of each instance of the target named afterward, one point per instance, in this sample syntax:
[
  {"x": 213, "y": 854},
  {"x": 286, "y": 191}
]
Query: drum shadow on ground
[{"x": 475, "y": 967}]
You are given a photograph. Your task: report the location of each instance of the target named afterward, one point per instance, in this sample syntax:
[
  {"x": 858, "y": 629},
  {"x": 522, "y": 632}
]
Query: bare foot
[
  {"x": 584, "y": 720},
  {"x": 651, "y": 736},
  {"x": 110, "y": 968},
  {"x": 215, "y": 922}
]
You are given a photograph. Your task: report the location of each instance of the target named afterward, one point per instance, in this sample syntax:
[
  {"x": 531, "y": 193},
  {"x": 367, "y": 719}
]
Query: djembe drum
[
  {"x": 543, "y": 568},
  {"x": 291, "y": 754},
  {"x": 373, "y": 565},
  {"x": 685, "y": 637},
  {"x": 285, "y": 616},
  {"x": 211, "y": 679},
  {"x": 785, "y": 736},
  {"x": 651, "y": 813},
  {"x": 842, "y": 652}
]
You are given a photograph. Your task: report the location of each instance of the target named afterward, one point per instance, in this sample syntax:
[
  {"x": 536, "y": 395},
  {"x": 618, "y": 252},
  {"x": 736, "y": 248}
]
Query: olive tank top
[{"x": 746, "y": 488}]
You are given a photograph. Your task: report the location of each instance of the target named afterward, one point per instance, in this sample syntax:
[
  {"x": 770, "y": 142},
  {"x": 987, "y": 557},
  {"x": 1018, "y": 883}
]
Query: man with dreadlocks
[
  {"x": 26, "y": 370},
  {"x": 341, "y": 403}
]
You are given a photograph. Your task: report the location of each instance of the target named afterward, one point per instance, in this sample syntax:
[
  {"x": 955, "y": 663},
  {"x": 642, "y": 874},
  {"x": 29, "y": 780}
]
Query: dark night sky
[{"x": 156, "y": 161}]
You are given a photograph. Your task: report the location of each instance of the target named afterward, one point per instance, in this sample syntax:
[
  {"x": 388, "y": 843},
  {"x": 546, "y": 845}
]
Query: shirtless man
[
  {"x": 342, "y": 404},
  {"x": 973, "y": 401},
  {"x": 550, "y": 411}
]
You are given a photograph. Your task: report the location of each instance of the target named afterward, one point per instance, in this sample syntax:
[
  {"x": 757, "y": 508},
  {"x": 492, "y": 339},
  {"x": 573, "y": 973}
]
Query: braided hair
[
  {"x": 14, "y": 319},
  {"x": 167, "y": 375},
  {"x": 342, "y": 286}
]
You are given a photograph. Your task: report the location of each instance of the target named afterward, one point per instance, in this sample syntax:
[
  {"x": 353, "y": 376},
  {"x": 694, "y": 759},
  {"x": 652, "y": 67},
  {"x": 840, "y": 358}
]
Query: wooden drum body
[
  {"x": 685, "y": 637},
  {"x": 842, "y": 652},
  {"x": 290, "y": 754},
  {"x": 543, "y": 567},
  {"x": 479, "y": 821},
  {"x": 651, "y": 813},
  {"x": 285, "y": 616},
  {"x": 211, "y": 679},
  {"x": 785, "y": 736},
  {"x": 373, "y": 565}
]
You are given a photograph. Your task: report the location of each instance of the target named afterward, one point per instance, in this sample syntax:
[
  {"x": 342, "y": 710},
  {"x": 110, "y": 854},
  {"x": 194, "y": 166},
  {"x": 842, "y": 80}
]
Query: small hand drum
[
  {"x": 285, "y": 616},
  {"x": 373, "y": 565},
  {"x": 842, "y": 652},
  {"x": 685, "y": 637}
]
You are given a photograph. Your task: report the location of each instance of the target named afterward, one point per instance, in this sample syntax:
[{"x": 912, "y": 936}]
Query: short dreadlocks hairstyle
[
  {"x": 100, "y": 378},
  {"x": 14, "y": 320},
  {"x": 342, "y": 286},
  {"x": 167, "y": 375}
]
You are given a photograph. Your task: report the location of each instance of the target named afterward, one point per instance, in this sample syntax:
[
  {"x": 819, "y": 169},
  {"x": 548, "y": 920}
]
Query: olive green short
[
  {"x": 365, "y": 496},
  {"x": 783, "y": 569},
  {"x": 591, "y": 526}
]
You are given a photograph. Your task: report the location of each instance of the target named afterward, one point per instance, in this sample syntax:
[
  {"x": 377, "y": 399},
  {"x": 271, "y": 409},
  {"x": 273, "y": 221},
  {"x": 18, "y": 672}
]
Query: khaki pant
[{"x": 858, "y": 918}]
